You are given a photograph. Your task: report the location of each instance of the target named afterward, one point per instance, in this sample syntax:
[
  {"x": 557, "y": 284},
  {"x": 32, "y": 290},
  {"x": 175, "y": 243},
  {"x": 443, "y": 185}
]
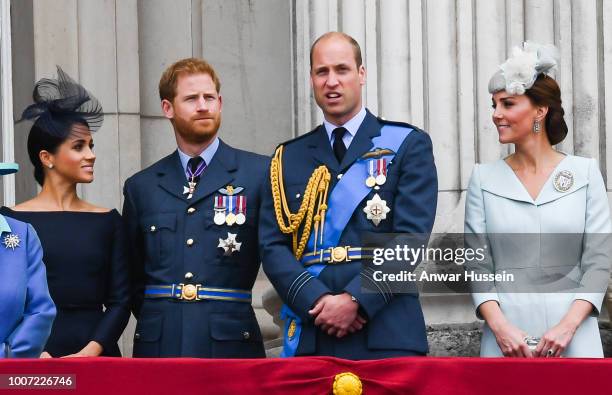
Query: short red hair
[{"x": 169, "y": 78}]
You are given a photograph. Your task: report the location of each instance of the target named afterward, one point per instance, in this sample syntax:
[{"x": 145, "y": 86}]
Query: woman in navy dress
[
  {"x": 83, "y": 244},
  {"x": 26, "y": 309}
]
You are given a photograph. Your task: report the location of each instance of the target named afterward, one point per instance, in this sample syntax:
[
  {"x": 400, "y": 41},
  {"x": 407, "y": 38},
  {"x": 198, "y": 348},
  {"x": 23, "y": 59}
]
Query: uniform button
[
  {"x": 188, "y": 275},
  {"x": 153, "y": 228},
  {"x": 297, "y": 195},
  {"x": 246, "y": 335},
  {"x": 339, "y": 176},
  {"x": 136, "y": 336},
  {"x": 191, "y": 210},
  {"x": 190, "y": 242}
]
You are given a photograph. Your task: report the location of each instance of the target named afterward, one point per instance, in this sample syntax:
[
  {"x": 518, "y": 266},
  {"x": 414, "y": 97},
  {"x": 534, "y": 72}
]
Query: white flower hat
[{"x": 519, "y": 72}]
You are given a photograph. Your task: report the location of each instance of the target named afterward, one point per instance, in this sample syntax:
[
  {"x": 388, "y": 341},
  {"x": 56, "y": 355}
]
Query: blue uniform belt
[
  {"x": 196, "y": 292},
  {"x": 335, "y": 255}
]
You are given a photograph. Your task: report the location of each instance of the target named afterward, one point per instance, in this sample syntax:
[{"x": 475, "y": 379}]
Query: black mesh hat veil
[{"x": 59, "y": 104}]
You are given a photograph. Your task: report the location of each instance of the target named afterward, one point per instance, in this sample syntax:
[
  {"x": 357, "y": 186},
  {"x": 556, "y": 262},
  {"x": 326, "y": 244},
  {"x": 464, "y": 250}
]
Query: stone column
[
  {"x": 587, "y": 93},
  {"x": 394, "y": 66},
  {"x": 7, "y": 137},
  {"x": 491, "y": 50},
  {"x": 563, "y": 41},
  {"x": 23, "y": 82},
  {"x": 164, "y": 36},
  {"x": 607, "y": 86}
]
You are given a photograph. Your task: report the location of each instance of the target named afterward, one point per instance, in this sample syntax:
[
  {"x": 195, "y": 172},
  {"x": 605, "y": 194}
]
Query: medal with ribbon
[
  {"x": 220, "y": 208},
  {"x": 192, "y": 175},
  {"x": 241, "y": 206},
  {"x": 377, "y": 172},
  {"x": 381, "y": 171},
  {"x": 230, "y": 218},
  {"x": 371, "y": 180},
  {"x": 230, "y": 208}
]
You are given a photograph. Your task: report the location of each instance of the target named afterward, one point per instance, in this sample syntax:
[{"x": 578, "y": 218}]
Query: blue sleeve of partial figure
[{"x": 30, "y": 336}]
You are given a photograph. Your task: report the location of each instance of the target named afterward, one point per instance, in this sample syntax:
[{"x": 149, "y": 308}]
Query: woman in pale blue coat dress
[
  {"x": 26, "y": 309},
  {"x": 538, "y": 190}
]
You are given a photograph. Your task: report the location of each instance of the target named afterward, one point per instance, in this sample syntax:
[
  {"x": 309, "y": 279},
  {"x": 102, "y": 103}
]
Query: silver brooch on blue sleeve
[
  {"x": 11, "y": 241},
  {"x": 376, "y": 209},
  {"x": 563, "y": 181},
  {"x": 230, "y": 244}
]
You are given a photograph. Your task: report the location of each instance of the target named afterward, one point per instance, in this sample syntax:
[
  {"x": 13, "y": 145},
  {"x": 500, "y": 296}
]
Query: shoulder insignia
[
  {"x": 398, "y": 123},
  {"x": 298, "y": 138}
]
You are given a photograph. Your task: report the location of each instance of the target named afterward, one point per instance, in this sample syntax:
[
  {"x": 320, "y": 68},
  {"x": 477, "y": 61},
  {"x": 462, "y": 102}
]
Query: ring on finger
[{"x": 550, "y": 353}]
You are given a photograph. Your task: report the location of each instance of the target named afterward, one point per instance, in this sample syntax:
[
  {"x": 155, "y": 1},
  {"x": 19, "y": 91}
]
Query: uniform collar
[
  {"x": 498, "y": 178},
  {"x": 207, "y": 154},
  {"x": 4, "y": 226},
  {"x": 352, "y": 125}
]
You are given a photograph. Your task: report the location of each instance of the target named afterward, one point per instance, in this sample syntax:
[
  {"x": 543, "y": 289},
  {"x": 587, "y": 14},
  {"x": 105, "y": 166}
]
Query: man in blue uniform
[
  {"x": 355, "y": 173},
  {"x": 26, "y": 308},
  {"x": 192, "y": 220}
]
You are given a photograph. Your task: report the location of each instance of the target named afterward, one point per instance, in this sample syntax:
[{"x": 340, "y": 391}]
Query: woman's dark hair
[
  {"x": 545, "y": 92},
  {"x": 39, "y": 140}
]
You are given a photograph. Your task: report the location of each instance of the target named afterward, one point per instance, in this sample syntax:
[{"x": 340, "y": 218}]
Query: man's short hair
[
  {"x": 349, "y": 39},
  {"x": 169, "y": 78}
]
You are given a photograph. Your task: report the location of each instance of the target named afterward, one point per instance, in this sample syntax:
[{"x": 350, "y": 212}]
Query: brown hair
[
  {"x": 349, "y": 39},
  {"x": 545, "y": 92},
  {"x": 168, "y": 80}
]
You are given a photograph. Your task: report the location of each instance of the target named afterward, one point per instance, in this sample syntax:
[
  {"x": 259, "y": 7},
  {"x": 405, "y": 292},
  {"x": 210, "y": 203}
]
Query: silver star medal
[
  {"x": 376, "y": 209},
  {"x": 230, "y": 244},
  {"x": 563, "y": 181},
  {"x": 11, "y": 241}
]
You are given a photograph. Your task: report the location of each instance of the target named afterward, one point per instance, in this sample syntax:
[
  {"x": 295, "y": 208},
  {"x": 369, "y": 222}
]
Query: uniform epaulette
[
  {"x": 298, "y": 137},
  {"x": 398, "y": 123}
]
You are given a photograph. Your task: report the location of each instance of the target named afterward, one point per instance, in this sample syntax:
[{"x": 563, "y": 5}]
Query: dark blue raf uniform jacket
[
  {"x": 160, "y": 221},
  {"x": 395, "y": 324}
]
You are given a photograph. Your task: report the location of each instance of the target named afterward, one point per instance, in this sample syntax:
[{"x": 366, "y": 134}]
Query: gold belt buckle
[
  {"x": 189, "y": 291},
  {"x": 339, "y": 254}
]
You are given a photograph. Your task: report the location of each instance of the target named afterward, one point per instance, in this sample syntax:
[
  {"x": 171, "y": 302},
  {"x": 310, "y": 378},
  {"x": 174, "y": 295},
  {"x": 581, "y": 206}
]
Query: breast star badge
[
  {"x": 376, "y": 209},
  {"x": 230, "y": 244},
  {"x": 11, "y": 241}
]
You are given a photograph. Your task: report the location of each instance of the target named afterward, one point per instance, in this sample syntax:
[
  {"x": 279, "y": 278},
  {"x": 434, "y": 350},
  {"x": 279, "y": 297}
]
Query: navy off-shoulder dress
[{"x": 87, "y": 273}]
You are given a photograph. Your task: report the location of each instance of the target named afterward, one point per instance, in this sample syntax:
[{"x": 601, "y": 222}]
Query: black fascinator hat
[{"x": 59, "y": 104}]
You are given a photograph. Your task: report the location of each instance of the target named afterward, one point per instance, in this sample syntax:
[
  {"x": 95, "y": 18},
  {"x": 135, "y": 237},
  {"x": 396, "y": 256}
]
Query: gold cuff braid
[{"x": 314, "y": 201}]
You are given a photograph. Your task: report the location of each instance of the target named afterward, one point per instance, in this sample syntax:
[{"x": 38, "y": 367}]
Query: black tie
[
  {"x": 193, "y": 165},
  {"x": 339, "y": 147}
]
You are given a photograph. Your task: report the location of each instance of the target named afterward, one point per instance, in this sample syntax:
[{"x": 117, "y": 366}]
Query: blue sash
[{"x": 343, "y": 200}]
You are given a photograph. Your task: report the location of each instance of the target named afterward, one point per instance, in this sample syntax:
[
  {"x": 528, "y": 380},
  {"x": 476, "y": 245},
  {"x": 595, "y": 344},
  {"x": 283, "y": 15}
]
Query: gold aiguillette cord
[{"x": 315, "y": 200}]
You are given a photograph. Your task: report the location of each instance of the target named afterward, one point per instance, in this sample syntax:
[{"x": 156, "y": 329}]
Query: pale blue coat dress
[{"x": 497, "y": 202}]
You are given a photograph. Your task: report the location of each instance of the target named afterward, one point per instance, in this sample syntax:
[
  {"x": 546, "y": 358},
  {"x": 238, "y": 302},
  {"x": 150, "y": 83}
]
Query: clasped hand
[
  {"x": 337, "y": 315},
  {"x": 553, "y": 342}
]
